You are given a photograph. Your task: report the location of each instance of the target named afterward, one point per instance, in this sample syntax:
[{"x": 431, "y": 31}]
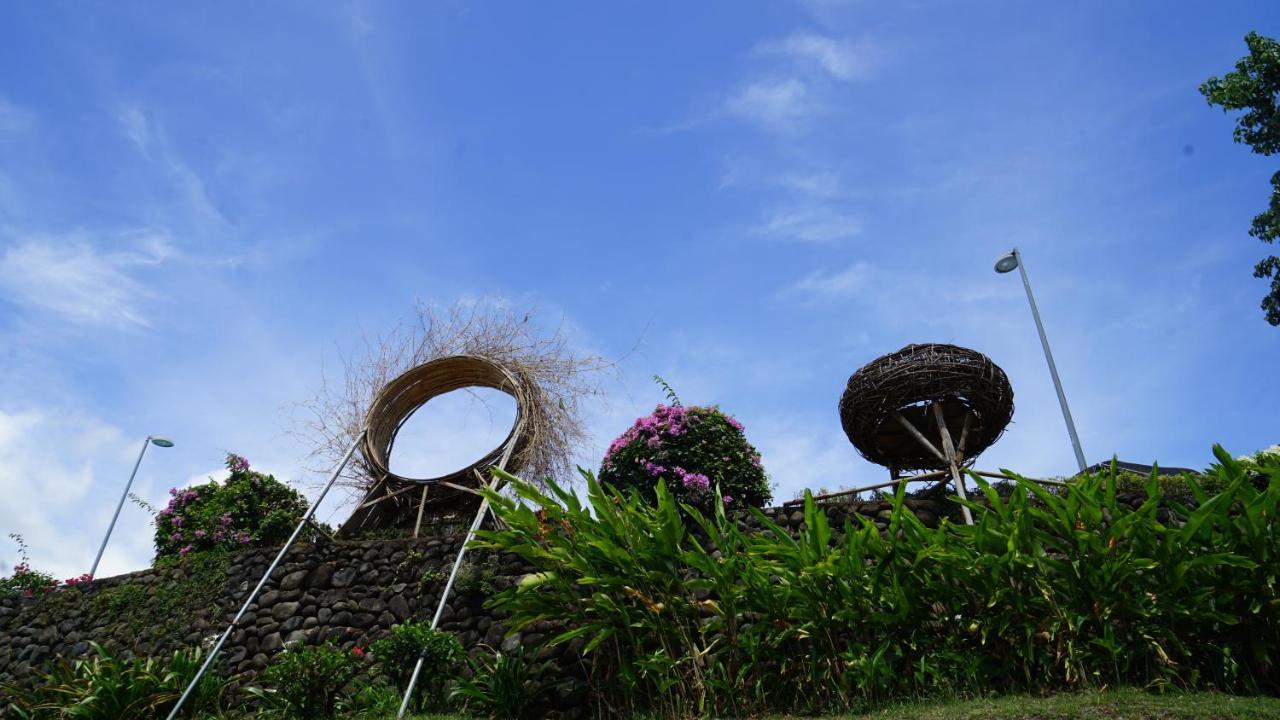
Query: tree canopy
[{"x": 1254, "y": 87}]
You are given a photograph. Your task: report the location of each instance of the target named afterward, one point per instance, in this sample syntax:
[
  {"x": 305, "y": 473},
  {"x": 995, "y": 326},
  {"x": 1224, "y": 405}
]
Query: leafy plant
[
  {"x": 1254, "y": 87},
  {"x": 507, "y": 685},
  {"x": 681, "y": 612},
  {"x": 24, "y": 580},
  {"x": 700, "y": 451},
  {"x": 163, "y": 610},
  {"x": 477, "y": 575},
  {"x": 398, "y": 652},
  {"x": 250, "y": 508},
  {"x": 308, "y": 682},
  {"x": 103, "y": 687}
]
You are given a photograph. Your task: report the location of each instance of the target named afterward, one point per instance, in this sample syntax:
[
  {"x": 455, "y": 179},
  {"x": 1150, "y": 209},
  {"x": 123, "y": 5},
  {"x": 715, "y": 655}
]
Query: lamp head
[
  {"x": 1007, "y": 262},
  {"x": 161, "y": 442}
]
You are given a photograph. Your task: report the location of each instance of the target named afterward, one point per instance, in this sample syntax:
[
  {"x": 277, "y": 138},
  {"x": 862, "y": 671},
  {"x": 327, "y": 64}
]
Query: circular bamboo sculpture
[
  {"x": 893, "y": 402},
  {"x": 390, "y": 502}
]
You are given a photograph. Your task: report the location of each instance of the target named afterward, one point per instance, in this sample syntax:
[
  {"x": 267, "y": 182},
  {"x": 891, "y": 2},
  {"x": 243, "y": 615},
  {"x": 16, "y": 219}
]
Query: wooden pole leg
[{"x": 953, "y": 460}]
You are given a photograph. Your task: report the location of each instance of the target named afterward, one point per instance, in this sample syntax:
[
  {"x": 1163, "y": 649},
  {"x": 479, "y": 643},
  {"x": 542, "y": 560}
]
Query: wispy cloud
[
  {"x": 59, "y": 457},
  {"x": 72, "y": 278},
  {"x": 826, "y": 284},
  {"x": 13, "y": 119},
  {"x": 134, "y": 126},
  {"x": 776, "y": 103},
  {"x": 809, "y": 223},
  {"x": 824, "y": 184},
  {"x": 844, "y": 60}
]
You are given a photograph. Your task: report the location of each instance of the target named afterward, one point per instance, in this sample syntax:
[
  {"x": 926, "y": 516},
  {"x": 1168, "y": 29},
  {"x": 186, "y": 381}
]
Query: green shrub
[
  {"x": 164, "y": 610},
  {"x": 1045, "y": 592},
  {"x": 477, "y": 575},
  {"x": 506, "y": 686},
  {"x": 308, "y": 682},
  {"x": 697, "y": 450},
  {"x": 250, "y": 508},
  {"x": 24, "y": 580},
  {"x": 101, "y": 687},
  {"x": 397, "y": 654}
]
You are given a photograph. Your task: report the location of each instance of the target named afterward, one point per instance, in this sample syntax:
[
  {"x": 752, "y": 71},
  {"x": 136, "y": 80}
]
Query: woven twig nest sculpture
[
  {"x": 392, "y": 505},
  {"x": 973, "y": 392}
]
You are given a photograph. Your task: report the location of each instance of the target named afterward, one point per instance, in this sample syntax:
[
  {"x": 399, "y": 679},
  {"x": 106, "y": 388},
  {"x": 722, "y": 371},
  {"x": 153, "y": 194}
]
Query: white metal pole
[
  {"x": 93, "y": 572},
  {"x": 444, "y": 596},
  {"x": 253, "y": 595},
  {"x": 1053, "y": 369}
]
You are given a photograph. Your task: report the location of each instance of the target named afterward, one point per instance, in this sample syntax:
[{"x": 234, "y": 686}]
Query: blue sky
[{"x": 201, "y": 208}]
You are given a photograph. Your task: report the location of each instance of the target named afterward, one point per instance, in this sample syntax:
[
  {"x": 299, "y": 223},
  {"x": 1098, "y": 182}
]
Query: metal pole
[
  {"x": 444, "y": 596},
  {"x": 1053, "y": 369},
  {"x": 253, "y": 595},
  {"x": 93, "y": 571}
]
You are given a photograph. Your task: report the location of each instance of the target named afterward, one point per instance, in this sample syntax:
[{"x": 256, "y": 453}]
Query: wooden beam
[
  {"x": 388, "y": 496},
  {"x": 964, "y": 435},
  {"x": 897, "y": 481},
  {"x": 422, "y": 505},
  {"x": 951, "y": 460},
  {"x": 915, "y": 433}
]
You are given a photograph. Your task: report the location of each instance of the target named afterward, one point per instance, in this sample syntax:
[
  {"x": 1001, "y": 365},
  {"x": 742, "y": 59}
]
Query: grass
[{"x": 1126, "y": 704}]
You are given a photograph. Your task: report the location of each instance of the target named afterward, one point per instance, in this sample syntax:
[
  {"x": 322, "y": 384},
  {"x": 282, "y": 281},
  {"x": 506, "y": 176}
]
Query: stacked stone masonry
[{"x": 349, "y": 592}]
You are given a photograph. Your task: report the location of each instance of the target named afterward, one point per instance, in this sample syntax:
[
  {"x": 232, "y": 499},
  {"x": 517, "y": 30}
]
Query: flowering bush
[
  {"x": 250, "y": 508},
  {"x": 695, "y": 449},
  {"x": 24, "y": 580}
]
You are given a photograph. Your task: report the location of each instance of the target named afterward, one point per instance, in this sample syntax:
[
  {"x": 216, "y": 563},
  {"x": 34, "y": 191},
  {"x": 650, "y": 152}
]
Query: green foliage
[
  {"x": 24, "y": 580},
  {"x": 477, "y": 575},
  {"x": 1044, "y": 592},
  {"x": 700, "y": 451},
  {"x": 101, "y": 687},
  {"x": 507, "y": 686},
  {"x": 248, "y": 509},
  {"x": 1254, "y": 86},
  {"x": 398, "y": 652},
  {"x": 308, "y": 682},
  {"x": 163, "y": 610}
]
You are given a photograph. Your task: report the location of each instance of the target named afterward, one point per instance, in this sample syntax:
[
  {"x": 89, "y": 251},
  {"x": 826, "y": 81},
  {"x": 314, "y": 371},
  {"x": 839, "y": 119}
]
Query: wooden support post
[
  {"x": 964, "y": 435},
  {"x": 422, "y": 505},
  {"x": 950, "y": 450},
  {"x": 915, "y": 433},
  {"x": 388, "y": 496}
]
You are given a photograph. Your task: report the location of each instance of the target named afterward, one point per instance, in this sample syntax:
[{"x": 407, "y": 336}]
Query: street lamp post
[
  {"x": 158, "y": 442},
  {"x": 1005, "y": 264}
]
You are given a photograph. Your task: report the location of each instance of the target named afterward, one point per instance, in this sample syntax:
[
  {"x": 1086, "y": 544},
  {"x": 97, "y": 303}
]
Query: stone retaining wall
[{"x": 349, "y": 592}]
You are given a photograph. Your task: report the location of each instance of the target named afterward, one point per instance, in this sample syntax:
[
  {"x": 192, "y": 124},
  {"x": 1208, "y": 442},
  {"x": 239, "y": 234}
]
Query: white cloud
[
  {"x": 13, "y": 119},
  {"x": 799, "y": 456},
  {"x": 775, "y": 103},
  {"x": 828, "y": 285},
  {"x": 72, "y": 278},
  {"x": 134, "y": 126},
  {"x": 809, "y": 223},
  {"x": 842, "y": 59},
  {"x": 823, "y": 185},
  {"x": 55, "y": 462}
]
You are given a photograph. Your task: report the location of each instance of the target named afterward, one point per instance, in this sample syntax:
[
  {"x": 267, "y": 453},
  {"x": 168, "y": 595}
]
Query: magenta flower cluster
[
  {"x": 237, "y": 463},
  {"x": 247, "y": 507},
  {"x": 693, "y": 450},
  {"x": 667, "y": 421}
]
